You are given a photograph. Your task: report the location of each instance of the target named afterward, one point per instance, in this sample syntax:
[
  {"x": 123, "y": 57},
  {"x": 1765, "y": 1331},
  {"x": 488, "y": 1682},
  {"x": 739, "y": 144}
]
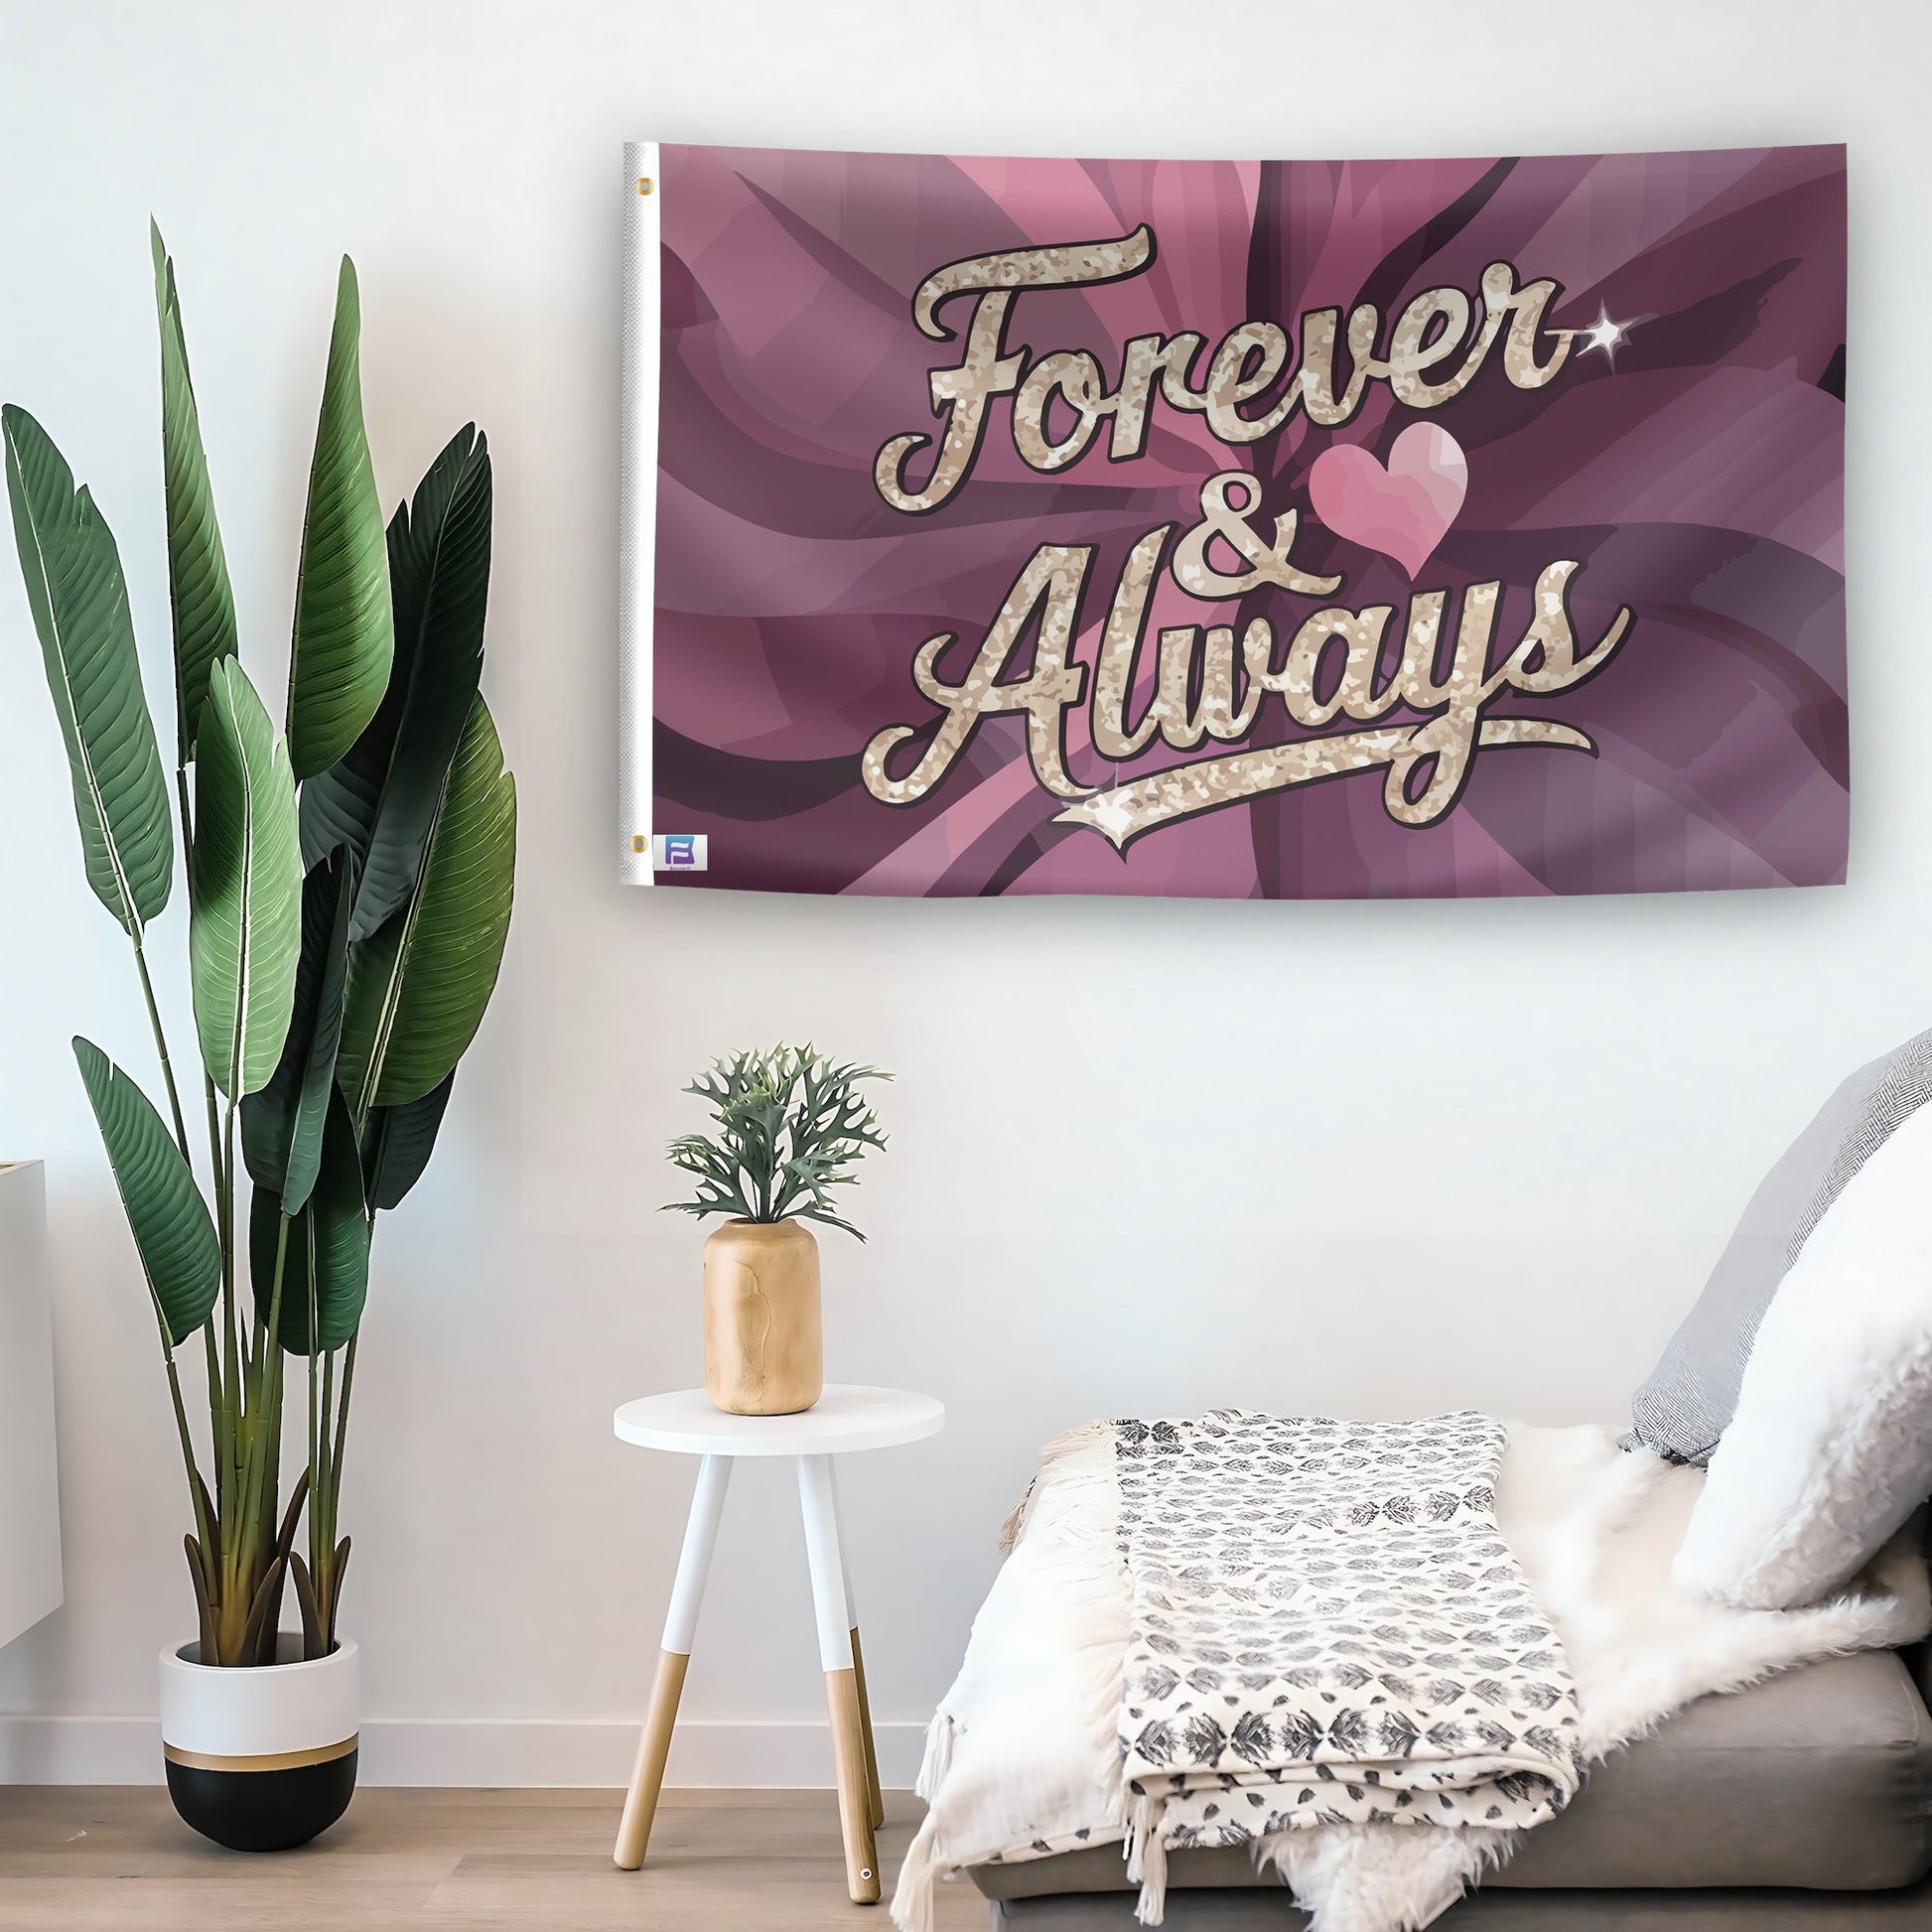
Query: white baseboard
[{"x": 483, "y": 1752}]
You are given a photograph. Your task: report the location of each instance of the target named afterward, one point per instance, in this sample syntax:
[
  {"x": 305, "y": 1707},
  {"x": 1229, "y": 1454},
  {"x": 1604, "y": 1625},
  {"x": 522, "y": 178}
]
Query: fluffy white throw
[{"x": 1023, "y": 1758}]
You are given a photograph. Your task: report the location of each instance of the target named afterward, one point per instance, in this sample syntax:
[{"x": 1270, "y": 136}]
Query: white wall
[{"x": 1365, "y": 1158}]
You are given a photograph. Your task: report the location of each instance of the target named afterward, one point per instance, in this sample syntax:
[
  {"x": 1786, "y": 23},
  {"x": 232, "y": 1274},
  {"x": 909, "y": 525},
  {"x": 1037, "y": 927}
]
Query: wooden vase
[{"x": 763, "y": 1346}]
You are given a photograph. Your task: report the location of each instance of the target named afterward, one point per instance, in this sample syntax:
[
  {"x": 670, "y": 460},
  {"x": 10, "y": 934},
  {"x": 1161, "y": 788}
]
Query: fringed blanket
[
  {"x": 1325, "y": 1626},
  {"x": 1024, "y": 1757}
]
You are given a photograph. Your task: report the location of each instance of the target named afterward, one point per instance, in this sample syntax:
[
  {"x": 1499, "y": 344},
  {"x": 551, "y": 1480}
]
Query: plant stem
[
  {"x": 230, "y": 1348},
  {"x": 268, "y": 1413},
  {"x": 187, "y": 814},
  {"x": 161, "y": 1048},
  {"x": 191, "y": 1466},
  {"x": 202, "y": 1525},
  {"x": 326, "y": 1541},
  {"x": 235, "y": 1418},
  {"x": 341, "y": 1412},
  {"x": 219, "y": 1396},
  {"x": 244, "y": 1567},
  {"x": 316, "y": 1437},
  {"x": 322, "y": 1520}
]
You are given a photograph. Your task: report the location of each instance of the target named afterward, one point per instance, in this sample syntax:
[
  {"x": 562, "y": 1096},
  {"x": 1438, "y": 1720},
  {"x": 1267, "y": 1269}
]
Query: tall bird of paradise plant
[{"x": 349, "y": 882}]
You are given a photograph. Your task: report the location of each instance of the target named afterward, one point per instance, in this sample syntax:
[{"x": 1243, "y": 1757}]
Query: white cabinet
[{"x": 29, "y": 1510}]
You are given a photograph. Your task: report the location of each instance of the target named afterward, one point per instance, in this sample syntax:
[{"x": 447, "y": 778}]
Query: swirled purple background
[{"x": 1698, "y": 478}]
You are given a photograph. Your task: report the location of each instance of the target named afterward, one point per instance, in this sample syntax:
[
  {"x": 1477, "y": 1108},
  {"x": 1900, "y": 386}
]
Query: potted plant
[
  {"x": 789, "y": 1126},
  {"x": 348, "y": 895}
]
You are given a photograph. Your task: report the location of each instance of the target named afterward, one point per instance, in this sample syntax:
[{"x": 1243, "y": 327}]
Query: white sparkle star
[{"x": 1606, "y": 335}]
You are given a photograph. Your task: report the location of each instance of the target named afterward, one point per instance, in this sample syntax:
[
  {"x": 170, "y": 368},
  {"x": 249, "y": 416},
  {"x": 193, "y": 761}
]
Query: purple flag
[{"x": 1239, "y": 529}]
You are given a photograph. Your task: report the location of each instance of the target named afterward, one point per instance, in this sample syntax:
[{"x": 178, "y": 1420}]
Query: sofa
[
  {"x": 1801, "y": 1805},
  {"x": 1801, "y": 1381}
]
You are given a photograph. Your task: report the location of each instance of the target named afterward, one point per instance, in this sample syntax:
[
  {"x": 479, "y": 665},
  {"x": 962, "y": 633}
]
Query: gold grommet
[
  {"x": 638, "y": 842},
  {"x": 643, "y": 184}
]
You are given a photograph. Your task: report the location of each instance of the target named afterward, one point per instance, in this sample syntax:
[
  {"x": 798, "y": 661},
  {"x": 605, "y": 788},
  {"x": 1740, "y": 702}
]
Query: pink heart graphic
[{"x": 1404, "y": 511}]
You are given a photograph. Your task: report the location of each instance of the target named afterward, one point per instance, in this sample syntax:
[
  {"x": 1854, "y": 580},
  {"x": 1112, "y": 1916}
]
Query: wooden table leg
[
  {"x": 874, "y": 1796},
  {"x": 877, "y": 1796},
  {"x": 820, "y": 1510},
  {"x": 680, "y": 1626}
]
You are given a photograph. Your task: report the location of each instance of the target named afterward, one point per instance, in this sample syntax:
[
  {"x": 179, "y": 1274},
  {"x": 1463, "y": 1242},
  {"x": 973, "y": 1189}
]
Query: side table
[{"x": 844, "y": 1419}]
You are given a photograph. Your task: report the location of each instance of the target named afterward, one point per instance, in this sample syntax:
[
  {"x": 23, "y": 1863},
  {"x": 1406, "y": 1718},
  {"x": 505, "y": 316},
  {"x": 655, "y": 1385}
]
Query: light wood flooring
[{"x": 116, "y": 1859}]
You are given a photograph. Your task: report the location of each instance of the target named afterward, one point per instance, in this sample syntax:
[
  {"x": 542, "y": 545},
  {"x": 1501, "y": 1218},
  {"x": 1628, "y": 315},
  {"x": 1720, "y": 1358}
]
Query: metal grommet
[
  {"x": 643, "y": 184},
  {"x": 640, "y": 842}
]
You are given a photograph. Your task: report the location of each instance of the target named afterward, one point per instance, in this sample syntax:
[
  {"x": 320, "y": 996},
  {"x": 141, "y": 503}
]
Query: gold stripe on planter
[{"x": 267, "y": 1761}]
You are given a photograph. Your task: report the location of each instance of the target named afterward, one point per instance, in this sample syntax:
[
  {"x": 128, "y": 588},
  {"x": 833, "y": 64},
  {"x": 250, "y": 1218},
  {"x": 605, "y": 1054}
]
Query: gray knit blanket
[{"x": 1327, "y": 1626}]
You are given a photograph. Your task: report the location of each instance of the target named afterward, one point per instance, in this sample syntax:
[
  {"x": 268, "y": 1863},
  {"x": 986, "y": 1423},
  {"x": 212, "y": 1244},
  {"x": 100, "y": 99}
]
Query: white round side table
[{"x": 844, "y": 1419}]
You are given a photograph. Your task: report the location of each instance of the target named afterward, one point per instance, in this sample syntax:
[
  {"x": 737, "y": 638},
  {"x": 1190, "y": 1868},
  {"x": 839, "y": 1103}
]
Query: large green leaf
[
  {"x": 281, "y": 1125},
  {"x": 172, "y": 1232},
  {"x": 198, "y": 570},
  {"x": 380, "y": 798},
  {"x": 78, "y": 599},
  {"x": 245, "y": 934},
  {"x": 398, "y": 1142},
  {"x": 326, "y": 1263},
  {"x": 343, "y": 631},
  {"x": 418, "y": 989}
]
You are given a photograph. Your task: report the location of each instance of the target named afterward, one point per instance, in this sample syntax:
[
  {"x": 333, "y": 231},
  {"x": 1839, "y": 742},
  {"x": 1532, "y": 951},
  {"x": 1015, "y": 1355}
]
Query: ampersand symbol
[{"x": 1225, "y": 516}]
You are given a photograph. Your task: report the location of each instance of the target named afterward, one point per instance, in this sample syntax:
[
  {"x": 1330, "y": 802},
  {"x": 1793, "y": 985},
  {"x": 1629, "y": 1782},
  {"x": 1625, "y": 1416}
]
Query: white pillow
[{"x": 1830, "y": 1447}]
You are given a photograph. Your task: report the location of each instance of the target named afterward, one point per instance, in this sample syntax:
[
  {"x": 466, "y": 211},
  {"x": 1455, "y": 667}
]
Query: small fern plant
[{"x": 789, "y": 1126}]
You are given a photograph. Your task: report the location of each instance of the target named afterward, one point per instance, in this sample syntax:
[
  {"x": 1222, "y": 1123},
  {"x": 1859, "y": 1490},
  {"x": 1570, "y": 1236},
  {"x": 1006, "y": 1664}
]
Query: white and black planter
[{"x": 260, "y": 1759}]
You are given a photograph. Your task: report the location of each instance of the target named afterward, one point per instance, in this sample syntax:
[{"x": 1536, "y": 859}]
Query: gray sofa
[{"x": 1802, "y": 1805}]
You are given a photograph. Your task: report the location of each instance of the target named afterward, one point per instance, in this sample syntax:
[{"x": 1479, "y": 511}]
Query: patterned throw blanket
[{"x": 1326, "y": 1626}]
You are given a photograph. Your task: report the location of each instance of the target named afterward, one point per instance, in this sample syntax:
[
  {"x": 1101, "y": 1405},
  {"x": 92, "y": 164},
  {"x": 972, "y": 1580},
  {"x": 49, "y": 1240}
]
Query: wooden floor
[{"x": 116, "y": 1859}]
